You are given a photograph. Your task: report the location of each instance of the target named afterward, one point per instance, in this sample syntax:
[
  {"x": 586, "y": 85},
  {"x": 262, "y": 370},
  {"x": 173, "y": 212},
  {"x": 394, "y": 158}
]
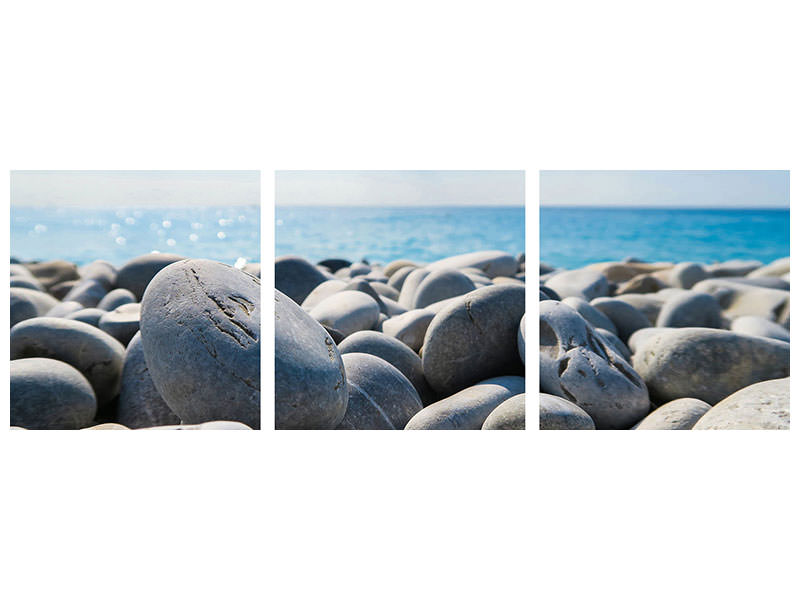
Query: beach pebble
[
  {"x": 360, "y": 284},
  {"x": 617, "y": 344},
  {"x": 641, "y": 284},
  {"x": 88, "y": 292},
  {"x": 27, "y": 304},
  {"x": 136, "y": 274},
  {"x": 347, "y": 311},
  {"x": 474, "y": 339},
  {"x": 97, "y": 355},
  {"x": 470, "y": 407},
  {"x": 493, "y": 263},
  {"x": 691, "y": 309},
  {"x": 140, "y": 404},
  {"x": 396, "y": 265},
  {"x": 410, "y": 285},
  {"x": 396, "y": 353},
  {"x": 686, "y": 274},
  {"x": 398, "y": 278},
  {"x": 379, "y": 395},
  {"x": 739, "y": 299},
  {"x": 327, "y": 288},
  {"x": 385, "y": 290},
  {"x": 60, "y": 290},
  {"x": 62, "y": 309},
  {"x": 296, "y": 277},
  {"x": 557, "y": 413},
  {"x": 774, "y": 269},
  {"x": 708, "y": 364},
  {"x": 626, "y": 318},
  {"x": 581, "y": 283},
  {"x": 575, "y": 362},
  {"x": 733, "y": 268},
  {"x": 640, "y": 337},
  {"x": 509, "y": 415},
  {"x": 116, "y": 298},
  {"x": 91, "y": 316},
  {"x": 409, "y": 327},
  {"x": 200, "y": 324},
  {"x": 593, "y": 316},
  {"x": 49, "y": 394},
  {"x": 52, "y": 272},
  {"x": 441, "y": 285},
  {"x": 647, "y": 304},
  {"x": 25, "y": 282},
  {"x": 101, "y": 271},
  {"x": 310, "y": 385},
  {"x": 682, "y": 413},
  {"x": 18, "y": 270},
  {"x": 763, "y": 405},
  {"x": 122, "y": 323},
  {"x": 761, "y": 327},
  {"x": 334, "y": 264}
]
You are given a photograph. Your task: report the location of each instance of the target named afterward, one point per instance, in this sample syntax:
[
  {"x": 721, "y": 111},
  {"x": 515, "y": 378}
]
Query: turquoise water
[
  {"x": 575, "y": 236},
  {"x": 224, "y": 233},
  {"x": 383, "y": 233}
]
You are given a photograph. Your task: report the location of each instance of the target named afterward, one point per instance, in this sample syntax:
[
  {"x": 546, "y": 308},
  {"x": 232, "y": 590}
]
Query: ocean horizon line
[{"x": 663, "y": 207}]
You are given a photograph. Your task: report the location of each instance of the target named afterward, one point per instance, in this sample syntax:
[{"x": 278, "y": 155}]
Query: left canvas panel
[{"x": 135, "y": 300}]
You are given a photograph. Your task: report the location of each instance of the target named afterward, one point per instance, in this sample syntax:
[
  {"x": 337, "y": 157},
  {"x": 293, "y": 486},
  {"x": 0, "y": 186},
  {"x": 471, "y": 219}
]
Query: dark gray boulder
[
  {"x": 88, "y": 292},
  {"x": 296, "y": 277},
  {"x": 122, "y": 323}
]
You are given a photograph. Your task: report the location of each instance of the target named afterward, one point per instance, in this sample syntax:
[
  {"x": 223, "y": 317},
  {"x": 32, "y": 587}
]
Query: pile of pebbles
[
  {"x": 400, "y": 346},
  {"x": 637, "y": 345},
  {"x": 163, "y": 342}
]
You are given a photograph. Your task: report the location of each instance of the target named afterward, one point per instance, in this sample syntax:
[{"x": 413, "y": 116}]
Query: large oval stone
[
  {"x": 88, "y": 292},
  {"x": 200, "y": 324},
  {"x": 682, "y": 413},
  {"x": 557, "y": 413},
  {"x": 27, "y": 304},
  {"x": 347, "y": 312},
  {"x": 709, "y": 364},
  {"x": 409, "y": 327},
  {"x": 474, "y": 339},
  {"x": 581, "y": 283},
  {"x": 494, "y": 263},
  {"x": 116, "y": 298},
  {"x": 49, "y": 394},
  {"x": 97, "y": 355},
  {"x": 690, "y": 309},
  {"x": 310, "y": 387},
  {"x": 470, "y": 407},
  {"x": 509, "y": 415},
  {"x": 379, "y": 396},
  {"x": 763, "y": 405},
  {"x": 440, "y": 285}
]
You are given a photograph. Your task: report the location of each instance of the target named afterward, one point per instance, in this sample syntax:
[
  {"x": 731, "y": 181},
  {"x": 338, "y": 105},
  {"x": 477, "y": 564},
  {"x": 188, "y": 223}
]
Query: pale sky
[
  {"x": 111, "y": 189},
  {"x": 400, "y": 188},
  {"x": 756, "y": 189}
]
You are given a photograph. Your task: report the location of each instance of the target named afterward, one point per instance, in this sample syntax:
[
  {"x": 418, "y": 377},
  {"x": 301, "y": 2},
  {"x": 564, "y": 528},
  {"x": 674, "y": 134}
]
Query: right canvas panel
[{"x": 664, "y": 300}]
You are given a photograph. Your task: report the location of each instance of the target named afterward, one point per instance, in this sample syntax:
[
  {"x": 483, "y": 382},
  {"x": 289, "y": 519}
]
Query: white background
[{"x": 461, "y": 85}]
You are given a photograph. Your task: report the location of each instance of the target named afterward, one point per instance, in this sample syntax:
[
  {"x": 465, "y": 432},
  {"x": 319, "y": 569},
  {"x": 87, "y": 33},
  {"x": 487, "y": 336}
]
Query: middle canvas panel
[{"x": 400, "y": 300}]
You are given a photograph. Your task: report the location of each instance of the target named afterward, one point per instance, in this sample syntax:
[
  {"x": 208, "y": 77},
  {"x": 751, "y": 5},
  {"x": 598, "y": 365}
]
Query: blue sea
[
  {"x": 81, "y": 235},
  {"x": 573, "y": 237},
  {"x": 384, "y": 233}
]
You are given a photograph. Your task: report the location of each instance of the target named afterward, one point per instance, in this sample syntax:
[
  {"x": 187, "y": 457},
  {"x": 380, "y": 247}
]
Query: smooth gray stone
[
  {"x": 52, "y": 272},
  {"x": 27, "y": 304},
  {"x": 395, "y": 266},
  {"x": 594, "y": 317},
  {"x": 360, "y": 284},
  {"x": 253, "y": 269},
  {"x": 493, "y": 263},
  {"x": 682, "y": 413},
  {"x": 626, "y": 318},
  {"x": 576, "y": 363},
  {"x": 385, "y": 290},
  {"x": 644, "y": 283},
  {"x": 474, "y": 339},
  {"x": 201, "y": 332},
  {"x": 477, "y": 276},
  {"x": 550, "y": 294},
  {"x": 708, "y": 364},
  {"x": 17, "y": 270},
  {"x": 763, "y": 405},
  {"x": 638, "y": 339},
  {"x": 409, "y": 327},
  {"x": 359, "y": 268},
  {"x": 91, "y": 316},
  {"x": 410, "y": 285},
  {"x": 116, "y": 298},
  {"x": 60, "y": 290},
  {"x": 647, "y": 304},
  {"x": 733, "y": 268},
  {"x": 398, "y": 278},
  {"x": 557, "y": 413},
  {"x": 392, "y": 308},
  {"x": 296, "y": 277},
  {"x": 691, "y": 309},
  {"x": 378, "y": 324},
  {"x": 470, "y": 407},
  {"x": 347, "y": 312},
  {"x": 775, "y": 283},
  {"x": 379, "y": 395},
  {"x": 761, "y": 327},
  {"x": 209, "y": 426},
  {"x": 437, "y": 307},
  {"x": 88, "y": 292},
  {"x": 774, "y": 269},
  {"x": 334, "y": 264},
  {"x": 136, "y": 274},
  {"x": 101, "y": 271},
  {"x": 686, "y": 274},
  {"x": 49, "y": 394},
  {"x": 441, "y": 284},
  {"x": 62, "y": 309},
  {"x": 507, "y": 280},
  {"x": 617, "y": 344},
  {"x": 94, "y": 353},
  {"x": 140, "y": 405},
  {"x": 325, "y": 289},
  {"x": 509, "y": 415},
  {"x": 310, "y": 384},
  {"x": 521, "y": 339},
  {"x": 581, "y": 283},
  {"x": 396, "y": 353},
  {"x": 27, "y": 282},
  {"x": 122, "y": 323},
  {"x": 739, "y": 300}
]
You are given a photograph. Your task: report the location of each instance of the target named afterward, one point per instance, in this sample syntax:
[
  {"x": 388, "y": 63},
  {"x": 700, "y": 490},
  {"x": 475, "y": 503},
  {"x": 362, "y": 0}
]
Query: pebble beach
[
  {"x": 402, "y": 345},
  {"x": 659, "y": 345},
  {"x": 159, "y": 342}
]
